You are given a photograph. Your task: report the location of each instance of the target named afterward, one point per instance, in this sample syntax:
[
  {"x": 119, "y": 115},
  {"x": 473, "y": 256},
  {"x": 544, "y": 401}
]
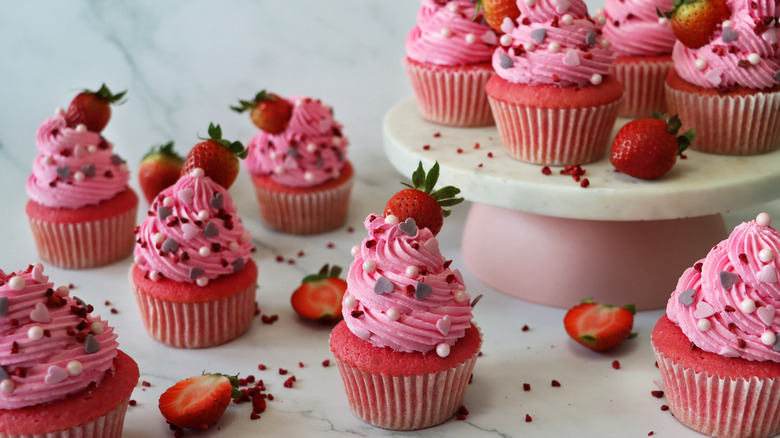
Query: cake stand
[{"x": 546, "y": 239}]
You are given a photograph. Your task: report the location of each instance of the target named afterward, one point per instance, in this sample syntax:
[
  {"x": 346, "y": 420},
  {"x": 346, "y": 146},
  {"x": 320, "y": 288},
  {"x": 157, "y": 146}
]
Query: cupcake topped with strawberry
[{"x": 634, "y": 29}]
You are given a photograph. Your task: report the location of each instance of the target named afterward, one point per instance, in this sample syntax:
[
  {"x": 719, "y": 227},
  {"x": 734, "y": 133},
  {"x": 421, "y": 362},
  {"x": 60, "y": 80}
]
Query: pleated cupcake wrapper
[
  {"x": 106, "y": 426},
  {"x": 554, "y": 136},
  {"x": 643, "y": 87},
  {"x": 451, "y": 97},
  {"x": 314, "y": 212},
  {"x": 197, "y": 324},
  {"x": 85, "y": 244},
  {"x": 729, "y": 125},
  {"x": 718, "y": 406}
]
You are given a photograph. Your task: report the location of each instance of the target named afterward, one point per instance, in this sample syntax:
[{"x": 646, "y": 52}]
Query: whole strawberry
[
  {"x": 319, "y": 296},
  {"x": 421, "y": 203},
  {"x": 160, "y": 168},
  {"x": 92, "y": 108},
  {"x": 216, "y": 156},
  {"x": 695, "y": 21},
  {"x": 648, "y": 148},
  {"x": 198, "y": 402},
  {"x": 268, "y": 111},
  {"x": 599, "y": 326},
  {"x": 495, "y": 11}
]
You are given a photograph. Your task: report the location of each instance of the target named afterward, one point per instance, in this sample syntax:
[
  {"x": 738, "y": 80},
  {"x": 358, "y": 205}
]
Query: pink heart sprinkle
[
  {"x": 55, "y": 375},
  {"x": 714, "y": 76},
  {"x": 37, "y": 274},
  {"x": 767, "y": 274},
  {"x": 563, "y": 6},
  {"x": 189, "y": 231},
  {"x": 766, "y": 314},
  {"x": 703, "y": 310},
  {"x": 79, "y": 151},
  {"x": 40, "y": 314},
  {"x": 432, "y": 245},
  {"x": 186, "y": 195},
  {"x": 444, "y": 324},
  {"x": 490, "y": 38},
  {"x": 571, "y": 58}
]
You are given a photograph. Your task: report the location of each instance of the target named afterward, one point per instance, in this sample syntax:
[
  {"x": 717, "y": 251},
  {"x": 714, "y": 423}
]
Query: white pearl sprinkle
[
  {"x": 555, "y": 47},
  {"x": 506, "y": 40},
  {"x": 154, "y": 276},
  {"x": 79, "y": 176},
  {"x": 158, "y": 237},
  {"x": 567, "y": 19},
  {"x": 768, "y": 338},
  {"x": 63, "y": 291},
  {"x": 197, "y": 173},
  {"x": 48, "y": 160},
  {"x": 596, "y": 79},
  {"x": 766, "y": 255},
  {"x": 461, "y": 296},
  {"x": 369, "y": 266},
  {"x": 92, "y": 149},
  {"x": 311, "y": 147},
  {"x": 355, "y": 250},
  {"x": 391, "y": 219},
  {"x": 412, "y": 271},
  {"x": 81, "y": 127},
  {"x": 704, "y": 324},
  {"x": 763, "y": 219},
  {"x": 747, "y": 305},
  {"x": 471, "y": 38},
  {"x": 727, "y": 24},
  {"x": 663, "y": 20},
  {"x": 7, "y": 386},
  {"x": 605, "y": 43},
  {"x": 601, "y": 20},
  {"x": 97, "y": 327},
  {"x": 443, "y": 350},
  {"x": 349, "y": 302},
  {"x": 202, "y": 281},
  {"x": 203, "y": 215},
  {"x": 529, "y": 46},
  {"x": 233, "y": 246},
  {"x": 754, "y": 58},
  {"x": 700, "y": 63},
  {"x": 74, "y": 367},
  {"x": 452, "y": 6},
  {"x": 35, "y": 332},
  {"x": 204, "y": 251},
  {"x": 393, "y": 314},
  {"x": 17, "y": 283},
  {"x": 279, "y": 170},
  {"x": 446, "y": 33},
  {"x": 272, "y": 155},
  {"x": 168, "y": 201},
  {"x": 308, "y": 176}
]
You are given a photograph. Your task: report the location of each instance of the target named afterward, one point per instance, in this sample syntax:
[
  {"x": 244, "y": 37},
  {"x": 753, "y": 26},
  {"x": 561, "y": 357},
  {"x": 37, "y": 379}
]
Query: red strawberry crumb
[
  {"x": 132, "y": 403},
  {"x": 262, "y": 367},
  {"x": 480, "y": 165},
  {"x": 326, "y": 363},
  {"x": 269, "y": 319},
  {"x": 330, "y": 245},
  {"x": 270, "y": 397},
  {"x": 459, "y": 150},
  {"x": 254, "y": 416},
  {"x": 743, "y": 258},
  {"x": 279, "y": 259},
  {"x": 282, "y": 371},
  {"x": 437, "y": 134},
  {"x": 108, "y": 303},
  {"x": 460, "y": 417},
  {"x": 300, "y": 364},
  {"x": 426, "y": 147},
  {"x": 556, "y": 384},
  {"x": 616, "y": 364},
  {"x": 289, "y": 382},
  {"x": 462, "y": 410},
  {"x": 114, "y": 311},
  {"x": 657, "y": 394},
  {"x": 546, "y": 170},
  {"x": 528, "y": 418},
  {"x": 291, "y": 261},
  {"x": 526, "y": 386},
  {"x": 584, "y": 183},
  {"x": 490, "y": 154},
  {"x": 301, "y": 253},
  {"x": 350, "y": 229},
  {"x": 651, "y": 433},
  {"x": 146, "y": 384},
  {"x": 525, "y": 328},
  {"x": 664, "y": 408},
  {"x": 476, "y": 145}
]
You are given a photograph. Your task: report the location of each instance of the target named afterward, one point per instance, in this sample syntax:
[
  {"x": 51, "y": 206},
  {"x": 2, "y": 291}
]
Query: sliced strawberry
[
  {"x": 159, "y": 169},
  {"x": 268, "y": 111},
  {"x": 216, "y": 156},
  {"x": 599, "y": 326},
  {"x": 319, "y": 296},
  {"x": 198, "y": 402},
  {"x": 92, "y": 108}
]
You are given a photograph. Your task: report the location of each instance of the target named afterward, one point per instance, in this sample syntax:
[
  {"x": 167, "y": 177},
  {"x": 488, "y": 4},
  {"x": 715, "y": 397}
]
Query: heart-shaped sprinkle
[
  {"x": 729, "y": 35},
  {"x": 444, "y": 324},
  {"x": 571, "y": 58},
  {"x": 432, "y": 245},
  {"x": 238, "y": 264},
  {"x": 767, "y": 274},
  {"x": 714, "y": 76},
  {"x": 169, "y": 245},
  {"x": 538, "y": 35},
  {"x": 728, "y": 279},
  {"x": 186, "y": 195},
  {"x": 163, "y": 212},
  {"x": 89, "y": 170},
  {"x": 686, "y": 297},
  {"x": 217, "y": 201},
  {"x": 91, "y": 345},
  {"x": 3, "y": 307},
  {"x": 766, "y": 314},
  {"x": 505, "y": 61},
  {"x": 383, "y": 286},
  {"x": 422, "y": 290},
  {"x": 3, "y": 374},
  {"x": 490, "y": 38},
  {"x": 189, "y": 231},
  {"x": 79, "y": 151},
  {"x": 116, "y": 160},
  {"x": 210, "y": 230},
  {"x": 361, "y": 333},
  {"x": 40, "y": 314},
  {"x": 37, "y": 274},
  {"x": 63, "y": 172},
  {"x": 703, "y": 310},
  {"x": 408, "y": 227},
  {"x": 507, "y": 26},
  {"x": 196, "y": 272},
  {"x": 590, "y": 38},
  {"x": 563, "y": 6},
  {"x": 55, "y": 375}
]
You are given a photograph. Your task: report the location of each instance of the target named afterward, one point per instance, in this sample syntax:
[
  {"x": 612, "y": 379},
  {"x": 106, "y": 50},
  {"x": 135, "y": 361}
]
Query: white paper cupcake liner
[
  {"x": 107, "y": 426},
  {"x": 643, "y": 87}
]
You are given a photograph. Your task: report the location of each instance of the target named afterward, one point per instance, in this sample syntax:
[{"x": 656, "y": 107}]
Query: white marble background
[{"x": 184, "y": 63}]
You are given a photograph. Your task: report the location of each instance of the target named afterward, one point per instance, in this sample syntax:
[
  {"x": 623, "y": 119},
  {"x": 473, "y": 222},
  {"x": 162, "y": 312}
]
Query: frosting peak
[{"x": 634, "y": 29}]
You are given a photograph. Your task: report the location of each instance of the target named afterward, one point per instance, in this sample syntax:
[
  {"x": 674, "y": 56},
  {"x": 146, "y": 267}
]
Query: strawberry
[
  {"x": 648, "y": 148},
  {"x": 495, "y": 11},
  {"x": 216, "y": 156},
  {"x": 160, "y": 168},
  {"x": 417, "y": 202},
  {"x": 599, "y": 326},
  {"x": 695, "y": 21},
  {"x": 268, "y": 111},
  {"x": 92, "y": 108},
  {"x": 319, "y": 295},
  {"x": 198, "y": 402}
]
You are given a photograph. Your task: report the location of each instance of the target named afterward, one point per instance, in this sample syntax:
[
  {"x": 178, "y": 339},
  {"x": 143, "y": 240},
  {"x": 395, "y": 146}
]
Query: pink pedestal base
[{"x": 558, "y": 262}]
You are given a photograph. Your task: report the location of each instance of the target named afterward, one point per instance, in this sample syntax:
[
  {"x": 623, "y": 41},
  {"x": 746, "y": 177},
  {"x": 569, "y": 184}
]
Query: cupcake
[
  {"x": 447, "y": 61},
  {"x": 61, "y": 374},
  {"x": 728, "y": 88},
  {"x": 81, "y": 210},
  {"x": 552, "y": 97},
  {"x": 642, "y": 44},
  {"x": 193, "y": 277},
  {"x": 299, "y": 168},
  {"x": 717, "y": 346},
  {"x": 407, "y": 347}
]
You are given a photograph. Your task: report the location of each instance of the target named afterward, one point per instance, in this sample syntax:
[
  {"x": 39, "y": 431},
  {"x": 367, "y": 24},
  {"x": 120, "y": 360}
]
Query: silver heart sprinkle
[
  {"x": 505, "y": 61},
  {"x": 89, "y": 170},
  {"x": 538, "y": 35},
  {"x": 729, "y": 35},
  {"x": 169, "y": 245},
  {"x": 217, "y": 201},
  {"x": 116, "y": 160},
  {"x": 422, "y": 290},
  {"x": 91, "y": 345},
  {"x": 163, "y": 212},
  {"x": 590, "y": 38},
  {"x": 196, "y": 272},
  {"x": 63, "y": 172},
  {"x": 238, "y": 264},
  {"x": 211, "y": 230},
  {"x": 383, "y": 286},
  {"x": 3, "y": 374},
  {"x": 408, "y": 227},
  {"x": 728, "y": 279},
  {"x": 3, "y": 307},
  {"x": 686, "y": 297}
]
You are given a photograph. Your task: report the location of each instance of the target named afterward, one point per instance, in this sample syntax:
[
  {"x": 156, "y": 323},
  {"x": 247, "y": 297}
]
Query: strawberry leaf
[
  {"x": 215, "y": 132},
  {"x": 445, "y": 192},
  {"x": 105, "y": 94},
  {"x": 433, "y": 176},
  {"x": 335, "y": 271},
  {"x": 418, "y": 177}
]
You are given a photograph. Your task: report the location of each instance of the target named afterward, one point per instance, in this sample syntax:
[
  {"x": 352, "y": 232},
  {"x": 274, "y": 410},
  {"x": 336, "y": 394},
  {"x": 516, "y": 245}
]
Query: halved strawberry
[
  {"x": 92, "y": 108},
  {"x": 421, "y": 203},
  {"x": 198, "y": 402},
  {"x": 159, "y": 169},
  {"x": 599, "y": 326},
  {"x": 319, "y": 295},
  {"x": 268, "y": 111},
  {"x": 216, "y": 156}
]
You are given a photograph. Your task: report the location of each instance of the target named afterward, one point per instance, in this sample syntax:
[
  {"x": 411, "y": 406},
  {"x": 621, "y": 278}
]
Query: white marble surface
[{"x": 184, "y": 63}]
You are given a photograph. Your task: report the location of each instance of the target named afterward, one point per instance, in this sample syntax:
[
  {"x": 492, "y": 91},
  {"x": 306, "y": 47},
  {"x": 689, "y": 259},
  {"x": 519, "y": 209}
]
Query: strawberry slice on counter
[
  {"x": 319, "y": 296},
  {"x": 216, "y": 156},
  {"x": 198, "y": 402},
  {"x": 92, "y": 108},
  {"x": 599, "y": 326},
  {"x": 159, "y": 169},
  {"x": 268, "y": 111}
]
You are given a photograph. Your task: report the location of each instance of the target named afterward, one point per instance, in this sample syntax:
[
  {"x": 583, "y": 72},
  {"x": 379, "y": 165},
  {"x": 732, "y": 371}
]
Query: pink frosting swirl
[
  {"x": 751, "y": 60},
  {"x": 727, "y": 302},
  {"x": 50, "y": 345},
  {"x": 193, "y": 233},
  {"x": 633, "y": 27},
  {"x": 311, "y": 151},
  {"x": 448, "y": 33},
  {"x": 401, "y": 292},
  {"x": 75, "y": 167},
  {"x": 554, "y": 42}
]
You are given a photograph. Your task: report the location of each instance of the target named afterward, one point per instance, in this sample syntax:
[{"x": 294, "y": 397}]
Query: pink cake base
[{"x": 558, "y": 262}]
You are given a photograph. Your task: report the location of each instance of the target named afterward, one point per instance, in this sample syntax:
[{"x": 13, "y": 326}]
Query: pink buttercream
[
  {"x": 75, "y": 167},
  {"x": 450, "y": 33},
  {"x": 723, "y": 59},
  {"x": 742, "y": 321},
  {"x": 193, "y": 233},
  {"x": 405, "y": 260},
  {"x": 633, "y": 27},
  {"x": 50, "y": 346},
  {"x": 546, "y": 50},
  {"x": 309, "y": 152}
]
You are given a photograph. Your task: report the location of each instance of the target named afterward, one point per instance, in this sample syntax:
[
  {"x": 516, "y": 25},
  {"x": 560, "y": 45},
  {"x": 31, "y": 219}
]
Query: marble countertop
[{"x": 184, "y": 63}]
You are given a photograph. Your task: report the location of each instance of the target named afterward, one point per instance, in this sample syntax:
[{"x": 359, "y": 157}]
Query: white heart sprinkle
[
  {"x": 767, "y": 274},
  {"x": 55, "y": 375},
  {"x": 766, "y": 314},
  {"x": 703, "y": 310}
]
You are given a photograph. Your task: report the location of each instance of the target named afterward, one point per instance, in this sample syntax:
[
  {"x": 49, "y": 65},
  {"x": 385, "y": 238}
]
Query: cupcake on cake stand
[{"x": 547, "y": 239}]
